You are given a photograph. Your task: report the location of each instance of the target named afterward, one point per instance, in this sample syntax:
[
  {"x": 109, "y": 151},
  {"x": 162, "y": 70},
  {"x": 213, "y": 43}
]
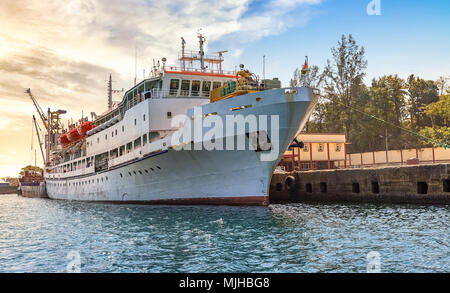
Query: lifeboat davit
[
  {"x": 85, "y": 127},
  {"x": 74, "y": 135},
  {"x": 64, "y": 140}
]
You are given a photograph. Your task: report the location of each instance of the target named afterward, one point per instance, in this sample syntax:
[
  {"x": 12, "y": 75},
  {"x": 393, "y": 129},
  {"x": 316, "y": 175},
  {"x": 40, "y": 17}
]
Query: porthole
[
  {"x": 258, "y": 99},
  {"x": 158, "y": 167}
]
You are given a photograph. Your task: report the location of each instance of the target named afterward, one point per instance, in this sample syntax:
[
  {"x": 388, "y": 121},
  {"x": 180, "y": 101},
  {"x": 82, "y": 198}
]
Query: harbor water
[{"x": 42, "y": 235}]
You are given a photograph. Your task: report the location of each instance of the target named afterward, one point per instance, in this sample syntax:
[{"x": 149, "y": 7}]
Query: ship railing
[
  {"x": 164, "y": 94},
  {"x": 199, "y": 70}
]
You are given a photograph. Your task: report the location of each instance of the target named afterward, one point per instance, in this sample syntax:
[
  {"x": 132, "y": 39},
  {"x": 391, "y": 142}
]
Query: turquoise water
[{"x": 37, "y": 235}]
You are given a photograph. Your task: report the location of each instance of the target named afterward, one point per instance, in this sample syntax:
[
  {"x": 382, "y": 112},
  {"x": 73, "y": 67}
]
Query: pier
[
  {"x": 416, "y": 184},
  {"x": 8, "y": 189}
]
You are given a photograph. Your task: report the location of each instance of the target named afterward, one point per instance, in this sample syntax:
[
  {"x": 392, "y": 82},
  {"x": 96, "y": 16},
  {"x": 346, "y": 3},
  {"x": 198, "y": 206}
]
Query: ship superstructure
[{"x": 139, "y": 151}]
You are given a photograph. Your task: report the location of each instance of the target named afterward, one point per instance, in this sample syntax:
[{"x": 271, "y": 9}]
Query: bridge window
[
  {"x": 137, "y": 143},
  {"x": 153, "y": 135},
  {"x": 129, "y": 147},
  {"x": 185, "y": 85},
  {"x": 195, "y": 91},
  {"x": 174, "y": 85},
  {"x": 206, "y": 88},
  {"x": 144, "y": 139},
  {"x": 113, "y": 154}
]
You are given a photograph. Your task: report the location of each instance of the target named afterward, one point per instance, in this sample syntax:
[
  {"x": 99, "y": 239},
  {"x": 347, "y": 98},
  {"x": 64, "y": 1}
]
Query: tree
[
  {"x": 313, "y": 78},
  {"x": 343, "y": 79},
  {"x": 387, "y": 102},
  {"x": 439, "y": 112},
  {"x": 442, "y": 84},
  {"x": 421, "y": 93},
  {"x": 32, "y": 169}
]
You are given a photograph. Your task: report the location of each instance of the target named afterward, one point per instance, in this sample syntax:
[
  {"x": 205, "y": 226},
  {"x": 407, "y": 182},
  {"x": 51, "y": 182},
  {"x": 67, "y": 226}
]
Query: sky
[{"x": 65, "y": 50}]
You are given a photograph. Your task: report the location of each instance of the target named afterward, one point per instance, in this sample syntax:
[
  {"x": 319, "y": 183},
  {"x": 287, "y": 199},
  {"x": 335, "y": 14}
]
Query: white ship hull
[{"x": 196, "y": 176}]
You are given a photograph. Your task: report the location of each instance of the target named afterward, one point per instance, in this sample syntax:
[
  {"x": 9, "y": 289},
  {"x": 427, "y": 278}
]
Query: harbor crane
[
  {"x": 54, "y": 116},
  {"x": 52, "y": 123}
]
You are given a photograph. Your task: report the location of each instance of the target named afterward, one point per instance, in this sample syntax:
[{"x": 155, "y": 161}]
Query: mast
[
  {"x": 201, "y": 40},
  {"x": 110, "y": 92},
  {"x": 47, "y": 158},
  {"x": 183, "y": 63},
  {"x": 264, "y": 71}
]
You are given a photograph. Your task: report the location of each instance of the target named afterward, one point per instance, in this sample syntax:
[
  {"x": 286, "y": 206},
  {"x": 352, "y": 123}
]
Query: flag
[{"x": 305, "y": 67}]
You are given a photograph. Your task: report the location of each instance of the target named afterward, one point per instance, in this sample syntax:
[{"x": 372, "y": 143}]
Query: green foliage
[
  {"x": 410, "y": 111},
  {"x": 439, "y": 135},
  {"x": 421, "y": 93},
  {"x": 32, "y": 169},
  {"x": 439, "y": 112},
  {"x": 343, "y": 83}
]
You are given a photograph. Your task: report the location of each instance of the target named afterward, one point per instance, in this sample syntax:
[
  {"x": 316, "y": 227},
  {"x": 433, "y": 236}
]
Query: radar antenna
[{"x": 220, "y": 53}]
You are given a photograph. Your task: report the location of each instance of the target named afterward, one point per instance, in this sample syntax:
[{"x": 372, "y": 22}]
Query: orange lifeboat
[
  {"x": 64, "y": 140},
  {"x": 85, "y": 127},
  {"x": 74, "y": 135}
]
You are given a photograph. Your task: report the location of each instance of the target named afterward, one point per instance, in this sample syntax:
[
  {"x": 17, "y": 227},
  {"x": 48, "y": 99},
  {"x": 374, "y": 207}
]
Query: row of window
[
  {"x": 192, "y": 87},
  {"x": 140, "y": 172},
  {"x": 80, "y": 183},
  {"x": 114, "y": 132},
  {"x": 320, "y": 147},
  {"x": 117, "y": 152}
]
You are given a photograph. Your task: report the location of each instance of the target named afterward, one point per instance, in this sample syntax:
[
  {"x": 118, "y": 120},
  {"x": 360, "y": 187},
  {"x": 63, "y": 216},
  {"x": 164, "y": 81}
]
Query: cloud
[{"x": 65, "y": 50}]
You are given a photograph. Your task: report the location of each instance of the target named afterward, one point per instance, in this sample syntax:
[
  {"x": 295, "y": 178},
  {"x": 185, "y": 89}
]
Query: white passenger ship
[{"x": 131, "y": 155}]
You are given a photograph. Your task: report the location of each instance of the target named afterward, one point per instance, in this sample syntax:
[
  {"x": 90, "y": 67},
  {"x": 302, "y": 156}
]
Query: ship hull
[
  {"x": 33, "y": 189},
  {"x": 217, "y": 177}
]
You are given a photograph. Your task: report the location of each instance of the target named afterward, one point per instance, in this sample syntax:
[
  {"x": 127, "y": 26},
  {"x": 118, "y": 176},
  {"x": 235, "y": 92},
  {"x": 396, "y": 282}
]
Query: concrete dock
[{"x": 417, "y": 184}]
